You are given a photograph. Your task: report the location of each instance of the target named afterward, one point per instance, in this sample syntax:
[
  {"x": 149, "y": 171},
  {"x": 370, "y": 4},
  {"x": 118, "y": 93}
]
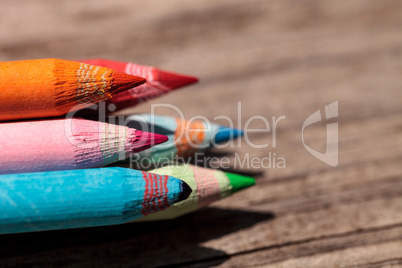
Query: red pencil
[{"x": 158, "y": 82}]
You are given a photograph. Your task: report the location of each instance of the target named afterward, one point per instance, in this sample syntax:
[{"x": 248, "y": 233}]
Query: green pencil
[{"x": 208, "y": 185}]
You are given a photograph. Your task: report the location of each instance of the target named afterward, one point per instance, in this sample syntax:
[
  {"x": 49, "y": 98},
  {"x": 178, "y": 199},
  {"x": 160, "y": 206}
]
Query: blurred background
[{"x": 275, "y": 58}]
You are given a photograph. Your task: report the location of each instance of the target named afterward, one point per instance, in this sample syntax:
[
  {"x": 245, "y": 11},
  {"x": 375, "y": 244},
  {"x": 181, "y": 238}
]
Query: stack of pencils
[{"x": 53, "y": 164}]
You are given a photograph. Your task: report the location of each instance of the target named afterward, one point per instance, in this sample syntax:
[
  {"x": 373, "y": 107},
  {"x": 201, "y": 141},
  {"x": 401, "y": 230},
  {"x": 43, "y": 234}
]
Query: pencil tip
[
  {"x": 185, "y": 191},
  {"x": 173, "y": 80},
  {"x": 225, "y": 134},
  {"x": 157, "y": 138},
  {"x": 147, "y": 140},
  {"x": 239, "y": 182},
  {"x": 124, "y": 82}
]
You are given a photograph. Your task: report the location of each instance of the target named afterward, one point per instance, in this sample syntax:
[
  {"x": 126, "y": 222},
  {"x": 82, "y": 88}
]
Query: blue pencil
[
  {"x": 185, "y": 138},
  {"x": 83, "y": 198}
]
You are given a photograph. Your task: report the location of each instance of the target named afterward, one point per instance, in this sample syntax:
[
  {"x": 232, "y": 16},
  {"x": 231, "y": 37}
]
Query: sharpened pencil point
[
  {"x": 239, "y": 182},
  {"x": 157, "y": 138},
  {"x": 173, "y": 80},
  {"x": 185, "y": 191},
  {"x": 148, "y": 140},
  {"x": 124, "y": 82},
  {"x": 225, "y": 134}
]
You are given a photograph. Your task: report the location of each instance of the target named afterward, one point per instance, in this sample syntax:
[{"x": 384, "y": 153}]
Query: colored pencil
[
  {"x": 159, "y": 82},
  {"x": 83, "y": 198},
  {"x": 53, "y": 87},
  {"x": 185, "y": 138},
  {"x": 208, "y": 186},
  {"x": 61, "y": 144}
]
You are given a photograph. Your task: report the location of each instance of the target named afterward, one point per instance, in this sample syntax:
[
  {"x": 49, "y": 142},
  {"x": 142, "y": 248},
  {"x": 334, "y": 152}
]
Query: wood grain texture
[{"x": 278, "y": 58}]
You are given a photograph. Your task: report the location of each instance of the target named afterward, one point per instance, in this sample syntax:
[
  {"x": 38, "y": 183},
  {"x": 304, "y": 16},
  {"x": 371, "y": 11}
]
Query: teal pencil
[
  {"x": 185, "y": 138},
  {"x": 83, "y": 198}
]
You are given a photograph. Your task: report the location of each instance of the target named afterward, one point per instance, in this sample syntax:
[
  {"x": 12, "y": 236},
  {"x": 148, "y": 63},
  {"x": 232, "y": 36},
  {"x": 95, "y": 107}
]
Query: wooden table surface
[{"x": 276, "y": 58}]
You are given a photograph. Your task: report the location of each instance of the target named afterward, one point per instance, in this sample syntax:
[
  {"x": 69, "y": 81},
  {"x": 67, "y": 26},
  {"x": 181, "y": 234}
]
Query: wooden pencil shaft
[
  {"x": 61, "y": 144},
  {"x": 53, "y": 87},
  {"x": 83, "y": 198}
]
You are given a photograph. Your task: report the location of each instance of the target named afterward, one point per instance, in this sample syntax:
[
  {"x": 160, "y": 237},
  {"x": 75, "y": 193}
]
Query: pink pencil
[
  {"x": 63, "y": 144},
  {"x": 158, "y": 82}
]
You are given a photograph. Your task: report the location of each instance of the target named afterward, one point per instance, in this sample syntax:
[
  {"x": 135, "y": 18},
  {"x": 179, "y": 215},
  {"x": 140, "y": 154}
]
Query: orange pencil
[{"x": 53, "y": 87}]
